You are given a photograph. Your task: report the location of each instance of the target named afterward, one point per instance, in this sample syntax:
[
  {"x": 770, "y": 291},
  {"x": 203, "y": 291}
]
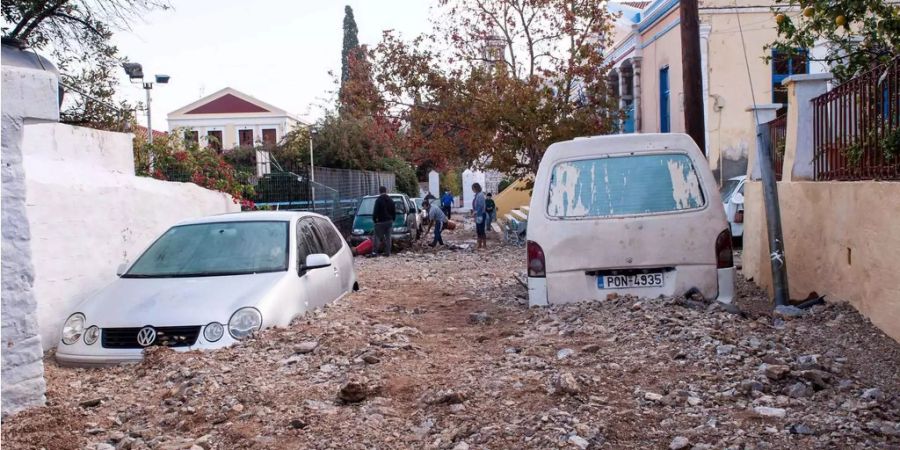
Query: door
[
  {"x": 665, "y": 124},
  {"x": 322, "y": 285},
  {"x": 341, "y": 259}
]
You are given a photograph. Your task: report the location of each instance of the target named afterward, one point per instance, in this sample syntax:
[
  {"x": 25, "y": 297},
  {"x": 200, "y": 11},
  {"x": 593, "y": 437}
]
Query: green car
[{"x": 405, "y": 225}]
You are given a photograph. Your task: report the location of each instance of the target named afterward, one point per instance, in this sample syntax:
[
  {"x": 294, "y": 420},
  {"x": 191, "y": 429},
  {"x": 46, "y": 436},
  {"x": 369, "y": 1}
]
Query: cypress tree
[{"x": 351, "y": 41}]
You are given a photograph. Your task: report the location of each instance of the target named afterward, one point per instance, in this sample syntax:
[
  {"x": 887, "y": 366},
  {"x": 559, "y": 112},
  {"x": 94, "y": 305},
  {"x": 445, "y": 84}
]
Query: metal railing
[
  {"x": 777, "y": 137},
  {"x": 856, "y": 127}
]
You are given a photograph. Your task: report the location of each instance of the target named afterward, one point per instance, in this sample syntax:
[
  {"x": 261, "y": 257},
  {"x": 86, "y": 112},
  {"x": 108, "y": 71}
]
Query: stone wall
[
  {"x": 28, "y": 95},
  {"x": 89, "y": 213}
]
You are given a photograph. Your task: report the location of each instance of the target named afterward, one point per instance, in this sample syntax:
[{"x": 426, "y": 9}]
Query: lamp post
[
  {"x": 312, "y": 168},
  {"x": 136, "y": 75}
]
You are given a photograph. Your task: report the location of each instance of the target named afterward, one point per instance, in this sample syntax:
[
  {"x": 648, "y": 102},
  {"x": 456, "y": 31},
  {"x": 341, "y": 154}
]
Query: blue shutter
[{"x": 665, "y": 124}]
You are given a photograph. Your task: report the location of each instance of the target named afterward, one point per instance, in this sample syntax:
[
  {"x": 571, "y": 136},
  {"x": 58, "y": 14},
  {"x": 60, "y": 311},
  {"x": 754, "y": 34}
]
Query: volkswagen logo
[{"x": 146, "y": 336}]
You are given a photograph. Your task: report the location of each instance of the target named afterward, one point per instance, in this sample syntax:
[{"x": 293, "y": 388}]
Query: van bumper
[
  {"x": 537, "y": 291},
  {"x": 726, "y": 284}
]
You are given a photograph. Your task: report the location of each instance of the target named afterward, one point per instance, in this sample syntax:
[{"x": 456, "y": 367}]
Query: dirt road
[{"x": 438, "y": 350}]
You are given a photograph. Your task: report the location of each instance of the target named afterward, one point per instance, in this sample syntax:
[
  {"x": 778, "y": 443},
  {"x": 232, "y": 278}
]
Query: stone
[
  {"x": 694, "y": 401},
  {"x": 724, "y": 350},
  {"x": 775, "y": 371},
  {"x": 579, "y": 441},
  {"x": 652, "y": 396},
  {"x": 461, "y": 445},
  {"x": 749, "y": 386},
  {"x": 788, "y": 312},
  {"x": 203, "y": 442},
  {"x": 103, "y": 446},
  {"x": 297, "y": 424},
  {"x": 872, "y": 394},
  {"x": 352, "y": 393},
  {"x": 819, "y": 378},
  {"x": 90, "y": 403},
  {"x": 679, "y": 443},
  {"x": 590, "y": 348},
  {"x": 305, "y": 347},
  {"x": 568, "y": 384},
  {"x": 801, "y": 429},
  {"x": 564, "y": 353},
  {"x": 371, "y": 359},
  {"x": 479, "y": 318},
  {"x": 766, "y": 411},
  {"x": 798, "y": 390}
]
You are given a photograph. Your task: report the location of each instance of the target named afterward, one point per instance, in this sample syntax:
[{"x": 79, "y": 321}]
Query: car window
[
  {"x": 307, "y": 240},
  {"x": 333, "y": 241},
  {"x": 210, "y": 249},
  {"x": 624, "y": 185},
  {"x": 400, "y": 204},
  {"x": 728, "y": 188},
  {"x": 366, "y": 207}
]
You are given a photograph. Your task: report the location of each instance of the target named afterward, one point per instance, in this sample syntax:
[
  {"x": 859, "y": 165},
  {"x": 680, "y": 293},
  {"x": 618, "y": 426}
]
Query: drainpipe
[{"x": 636, "y": 68}]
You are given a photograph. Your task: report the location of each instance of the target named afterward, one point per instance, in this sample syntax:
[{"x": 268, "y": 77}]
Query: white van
[{"x": 635, "y": 214}]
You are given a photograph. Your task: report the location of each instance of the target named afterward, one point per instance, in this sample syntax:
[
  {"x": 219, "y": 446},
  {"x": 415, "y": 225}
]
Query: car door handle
[{"x": 335, "y": 270}]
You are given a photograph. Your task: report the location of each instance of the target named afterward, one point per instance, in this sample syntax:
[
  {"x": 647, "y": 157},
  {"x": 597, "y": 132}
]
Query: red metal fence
[
  {"x": 856, "y": 127},
  {"x": 777, "y": 135}
]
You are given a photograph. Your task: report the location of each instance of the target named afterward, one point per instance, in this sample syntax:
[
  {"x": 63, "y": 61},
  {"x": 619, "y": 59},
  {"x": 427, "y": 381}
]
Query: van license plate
[{"x": 630, "y": 281}]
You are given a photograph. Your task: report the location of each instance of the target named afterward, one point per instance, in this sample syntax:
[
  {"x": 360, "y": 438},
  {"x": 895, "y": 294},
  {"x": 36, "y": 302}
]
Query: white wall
[{"x": 88, "y": 213}]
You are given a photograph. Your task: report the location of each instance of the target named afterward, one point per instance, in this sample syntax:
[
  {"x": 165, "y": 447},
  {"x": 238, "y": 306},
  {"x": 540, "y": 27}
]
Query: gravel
[{"x": 440, "y": 351}]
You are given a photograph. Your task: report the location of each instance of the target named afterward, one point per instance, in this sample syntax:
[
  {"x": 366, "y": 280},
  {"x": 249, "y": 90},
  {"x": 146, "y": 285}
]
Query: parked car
[
  {"x": 732, "y": 193},
  {"x": 405, "y": 225},
  {"x": 422, "y": 214},
  {"x": 208, "y": 283},
  {"x": 626, "y": 214},
  {"x": 416, "y": 211}
]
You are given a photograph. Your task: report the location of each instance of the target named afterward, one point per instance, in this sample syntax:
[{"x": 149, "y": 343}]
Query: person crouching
[{"x": 437, "y": 217}]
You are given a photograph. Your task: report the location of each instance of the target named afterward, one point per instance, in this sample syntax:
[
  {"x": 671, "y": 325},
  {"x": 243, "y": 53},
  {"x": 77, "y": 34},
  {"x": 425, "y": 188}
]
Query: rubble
[{"x": 401, "y": 364}]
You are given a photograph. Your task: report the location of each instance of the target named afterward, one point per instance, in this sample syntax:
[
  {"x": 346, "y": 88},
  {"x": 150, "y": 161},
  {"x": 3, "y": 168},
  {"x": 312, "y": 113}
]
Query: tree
[
  {"x": 858, "y": 33},
  {"x": 351, "y": 42},
  {"x": 518, "y": 76},
  {"x": 78, "y": 33}
]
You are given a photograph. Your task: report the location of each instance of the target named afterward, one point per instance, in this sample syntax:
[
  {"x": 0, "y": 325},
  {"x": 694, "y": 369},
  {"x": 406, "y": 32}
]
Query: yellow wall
[
  {"x": 665, "y": 51},
  {"x": 512, "y": 198},
  {"x": 842, "y": 239}
]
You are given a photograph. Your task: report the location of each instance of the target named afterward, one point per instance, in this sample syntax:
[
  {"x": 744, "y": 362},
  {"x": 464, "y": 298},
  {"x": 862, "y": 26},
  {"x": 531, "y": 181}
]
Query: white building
[{"x": 229, "y": 118}]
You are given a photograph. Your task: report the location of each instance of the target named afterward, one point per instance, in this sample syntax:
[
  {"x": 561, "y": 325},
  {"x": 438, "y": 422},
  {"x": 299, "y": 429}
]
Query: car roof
[
  {"x": 738, "y": 178},
  {"x": 622, "y": 143},
  {"x": 249, "y": 216},
  {"x": 394, "y": 194}
]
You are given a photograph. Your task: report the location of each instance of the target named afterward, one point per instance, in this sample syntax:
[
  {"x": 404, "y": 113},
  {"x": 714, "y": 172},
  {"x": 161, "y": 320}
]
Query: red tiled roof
[
  {"x": 141, "y": 131},
  {"x": 227, "y": 103}
]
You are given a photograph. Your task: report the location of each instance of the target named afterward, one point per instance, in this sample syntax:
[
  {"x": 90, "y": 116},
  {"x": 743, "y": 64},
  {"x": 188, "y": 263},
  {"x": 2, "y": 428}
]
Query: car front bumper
[{"x": 83, "y": 355}]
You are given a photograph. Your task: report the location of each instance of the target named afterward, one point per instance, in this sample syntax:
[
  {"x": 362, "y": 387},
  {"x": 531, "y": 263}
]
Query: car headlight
[
  {"x": 244, "y": 322},
  {"x": 400, "y": 229},
  {"x": 73, "y": 328},
  {"x": 358, "y": 231},
  {"x": 91, "y": 335},
  {"x": 213, "y": 332}
]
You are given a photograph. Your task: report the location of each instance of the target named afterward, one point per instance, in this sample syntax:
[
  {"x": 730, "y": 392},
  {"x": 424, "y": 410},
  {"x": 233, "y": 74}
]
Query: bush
[{"x": 404, "y": 173}]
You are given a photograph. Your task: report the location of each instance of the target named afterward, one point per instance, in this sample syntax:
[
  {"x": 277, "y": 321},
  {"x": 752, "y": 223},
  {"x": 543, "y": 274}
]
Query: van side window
[{"x": 624, "y": 185}]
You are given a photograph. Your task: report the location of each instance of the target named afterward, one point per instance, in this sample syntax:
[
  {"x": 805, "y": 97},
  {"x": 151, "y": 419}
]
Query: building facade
[
  {"x": 229, "y": 119},
  {"x": 646, "y": 73}
]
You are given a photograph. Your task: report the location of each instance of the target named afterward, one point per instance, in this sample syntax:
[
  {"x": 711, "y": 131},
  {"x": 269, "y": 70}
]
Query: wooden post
[{"x": 692, "y": 74}]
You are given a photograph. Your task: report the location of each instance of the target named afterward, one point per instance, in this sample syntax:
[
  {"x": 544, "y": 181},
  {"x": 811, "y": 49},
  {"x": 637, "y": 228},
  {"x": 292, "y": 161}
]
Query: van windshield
[
  {"x": 624, "y": 185},
  {"x": 367, "y": 206}
]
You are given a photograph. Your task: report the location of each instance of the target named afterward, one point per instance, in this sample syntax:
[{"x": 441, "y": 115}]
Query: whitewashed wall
[{"x": 88, "y": 213}]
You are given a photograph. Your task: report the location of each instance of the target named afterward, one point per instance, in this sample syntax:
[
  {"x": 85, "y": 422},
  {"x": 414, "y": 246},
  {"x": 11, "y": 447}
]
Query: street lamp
[
  {"x": 312, "y": 167},
  {"x": 136, "y": 75}
]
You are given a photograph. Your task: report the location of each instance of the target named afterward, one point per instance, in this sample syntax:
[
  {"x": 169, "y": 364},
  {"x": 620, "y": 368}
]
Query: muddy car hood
[{"x": 135, "y": 302}]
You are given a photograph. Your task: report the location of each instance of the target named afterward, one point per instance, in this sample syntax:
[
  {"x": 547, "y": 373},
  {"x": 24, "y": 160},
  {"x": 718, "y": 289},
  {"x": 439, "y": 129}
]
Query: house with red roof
[{"x": 230, "y": 119}]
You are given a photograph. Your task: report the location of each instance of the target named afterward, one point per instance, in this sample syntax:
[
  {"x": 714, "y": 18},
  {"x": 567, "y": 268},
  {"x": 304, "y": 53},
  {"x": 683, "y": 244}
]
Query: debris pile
[{"x": 440, "y": 351}]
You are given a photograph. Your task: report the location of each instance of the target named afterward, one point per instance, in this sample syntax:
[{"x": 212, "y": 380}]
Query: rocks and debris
[{"x": 402, "y": 364}]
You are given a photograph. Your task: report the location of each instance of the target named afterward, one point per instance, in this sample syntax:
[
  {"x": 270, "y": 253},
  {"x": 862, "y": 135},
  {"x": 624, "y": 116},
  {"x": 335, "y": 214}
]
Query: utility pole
[
  {"x": 773, "y": 216},
  {"x": 692, "y": 75},
  {"x": 147, "y": 87}
]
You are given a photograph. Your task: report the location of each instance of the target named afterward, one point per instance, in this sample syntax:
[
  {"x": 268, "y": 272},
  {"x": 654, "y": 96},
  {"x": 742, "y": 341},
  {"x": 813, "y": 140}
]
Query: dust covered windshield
[
  {"x": 624, "y": 185},
  {"x": 211, "y": 249}
]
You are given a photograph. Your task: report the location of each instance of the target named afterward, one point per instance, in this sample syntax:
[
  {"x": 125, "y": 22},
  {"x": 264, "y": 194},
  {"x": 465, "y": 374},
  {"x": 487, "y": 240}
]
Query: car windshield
[
  {"x": 215, "y": 249},
  {"x": 624, "y": 185},
  {"x": 728, "y": 188},
  {"x": 367, "y": 206}
]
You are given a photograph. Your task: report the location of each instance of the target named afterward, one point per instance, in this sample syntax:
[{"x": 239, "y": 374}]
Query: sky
[{"x": 279, "y": 51}]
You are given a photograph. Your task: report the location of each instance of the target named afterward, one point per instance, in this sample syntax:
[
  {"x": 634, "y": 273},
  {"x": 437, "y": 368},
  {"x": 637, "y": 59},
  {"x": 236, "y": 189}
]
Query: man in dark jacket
[{"x": 384, "y": 214}]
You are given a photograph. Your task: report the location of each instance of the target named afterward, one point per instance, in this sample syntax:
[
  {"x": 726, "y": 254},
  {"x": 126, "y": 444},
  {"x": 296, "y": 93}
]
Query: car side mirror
[
  {"x": 121, "y": 269},
  {"x": 317, "y": 261}
]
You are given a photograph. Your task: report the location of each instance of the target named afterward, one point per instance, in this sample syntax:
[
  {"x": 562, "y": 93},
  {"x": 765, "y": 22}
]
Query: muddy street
[{"x": 439, "y": 350}]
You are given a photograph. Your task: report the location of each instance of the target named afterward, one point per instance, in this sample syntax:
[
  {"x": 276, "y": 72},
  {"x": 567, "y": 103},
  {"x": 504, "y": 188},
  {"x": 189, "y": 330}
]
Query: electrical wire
[{"x": 747, "y": 65}]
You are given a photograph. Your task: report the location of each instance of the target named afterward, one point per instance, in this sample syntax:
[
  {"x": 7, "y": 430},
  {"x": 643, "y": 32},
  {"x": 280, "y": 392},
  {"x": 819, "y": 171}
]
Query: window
[
  {"x": 215, "y": 249},
  {"x": 214, "y": 139},
  {"x": 192, "y": 137},
  {"x": 333, "y": 242},
  {"x": 268, "y": 137},
  {"x": 624, "y": 185},
  {"x": 307, "y": 241},
  {"x": 665, "y": 124},
  {"x": 245, "y": 138},
  {"x": 783, "y": 66}
]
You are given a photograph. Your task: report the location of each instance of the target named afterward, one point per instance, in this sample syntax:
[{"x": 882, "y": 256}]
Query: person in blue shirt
[{"x": 447, "y": 203}]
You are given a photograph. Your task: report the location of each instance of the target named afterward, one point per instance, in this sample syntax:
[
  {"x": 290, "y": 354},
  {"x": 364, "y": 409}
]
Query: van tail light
[
  {"x": 739, "y": 216},
  {"x": 536, "y": 262},
  {"x": 724, "y": 252}
]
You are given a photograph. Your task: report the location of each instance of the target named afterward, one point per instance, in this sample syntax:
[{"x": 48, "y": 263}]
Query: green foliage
[
  {"x": 175, "y": 160},
  {"x": 404, "y": 173},
  {"x": 351, "y": 42},
  {"x": 859, "y": 33},
  {"x": 452, "y": 181},
  {"x": 504, "y": 183}
]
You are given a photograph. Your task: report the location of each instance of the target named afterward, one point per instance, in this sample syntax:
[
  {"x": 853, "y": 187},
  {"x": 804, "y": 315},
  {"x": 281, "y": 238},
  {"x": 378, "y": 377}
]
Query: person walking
[
  {"x": 490, "y": 209},
  {"x": 478, "y": 209},
  {"x": 437, "y": 218},
  {"x": 447, "y": 203},
  {"x": 383, "y": 215}
]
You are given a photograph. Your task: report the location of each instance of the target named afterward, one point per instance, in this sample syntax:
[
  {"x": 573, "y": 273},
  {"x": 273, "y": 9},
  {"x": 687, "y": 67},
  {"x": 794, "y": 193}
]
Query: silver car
[{"x": 210, "y": 282}]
